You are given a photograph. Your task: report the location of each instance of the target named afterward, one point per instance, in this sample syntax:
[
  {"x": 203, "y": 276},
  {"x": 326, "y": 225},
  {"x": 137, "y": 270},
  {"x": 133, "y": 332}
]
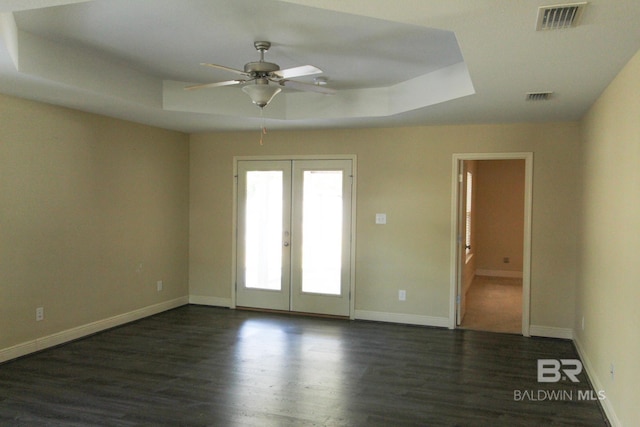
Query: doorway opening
[{"x": 491, "y": 242}]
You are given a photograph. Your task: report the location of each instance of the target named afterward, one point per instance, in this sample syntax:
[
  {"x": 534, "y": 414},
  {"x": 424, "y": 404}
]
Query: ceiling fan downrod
[{"x": 261, "y": 68}]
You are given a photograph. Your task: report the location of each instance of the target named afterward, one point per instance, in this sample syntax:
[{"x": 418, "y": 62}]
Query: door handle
[{"x": 286, "y": 243}]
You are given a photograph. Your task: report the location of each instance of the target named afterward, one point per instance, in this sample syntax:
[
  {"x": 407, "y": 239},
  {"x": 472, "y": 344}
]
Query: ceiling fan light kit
[
  {"x": 261, "y": 93},
  {"x": 260, "y": 74}
]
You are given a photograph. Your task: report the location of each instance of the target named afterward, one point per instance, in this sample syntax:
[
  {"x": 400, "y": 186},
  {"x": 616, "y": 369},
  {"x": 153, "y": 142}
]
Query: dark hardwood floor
[{"x": 197, "y": 365}]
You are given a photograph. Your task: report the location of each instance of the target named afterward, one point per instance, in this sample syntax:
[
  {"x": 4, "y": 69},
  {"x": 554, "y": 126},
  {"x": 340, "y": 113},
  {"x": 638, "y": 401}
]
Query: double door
[{"x": 294, "y": 235}]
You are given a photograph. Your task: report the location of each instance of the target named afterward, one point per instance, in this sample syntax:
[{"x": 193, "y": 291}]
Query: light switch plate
[{"x": 381, "y": 218}]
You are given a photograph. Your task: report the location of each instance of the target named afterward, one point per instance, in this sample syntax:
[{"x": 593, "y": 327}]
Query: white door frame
[
  {"x": 234, "y": 228},
  {"x": 528, "y": 198}
]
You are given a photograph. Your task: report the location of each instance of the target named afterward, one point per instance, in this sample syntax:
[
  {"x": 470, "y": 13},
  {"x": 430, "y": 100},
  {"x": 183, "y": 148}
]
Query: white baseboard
[
  {"x": 213, "y": 301},
  {"x": 18, "y": 351},
  {"x": 410, "y": 319},
  {"x": 597, "y": 384},
  {"x": 499, "y": 273},
  {"x": 551, "y": 332},
  {"x": 90, "y": 328}
]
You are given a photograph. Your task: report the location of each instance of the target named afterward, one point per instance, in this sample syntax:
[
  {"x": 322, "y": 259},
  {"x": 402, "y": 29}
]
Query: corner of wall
[{"x": 596, "y": 382}]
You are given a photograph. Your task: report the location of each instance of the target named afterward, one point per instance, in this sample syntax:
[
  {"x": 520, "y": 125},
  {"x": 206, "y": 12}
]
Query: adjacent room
[
  {"x": 492, "y": 259},
  {"x": 311, "y": 212}
]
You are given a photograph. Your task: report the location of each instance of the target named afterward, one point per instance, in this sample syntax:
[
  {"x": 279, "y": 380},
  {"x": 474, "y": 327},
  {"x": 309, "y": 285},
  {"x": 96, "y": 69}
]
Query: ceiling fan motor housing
[{"x": 260, "y": 68}]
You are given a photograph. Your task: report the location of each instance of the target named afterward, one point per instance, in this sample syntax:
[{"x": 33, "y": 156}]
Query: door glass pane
[
  {"x": 322, "y": 232},
  {"x": 263, "y": 238}
]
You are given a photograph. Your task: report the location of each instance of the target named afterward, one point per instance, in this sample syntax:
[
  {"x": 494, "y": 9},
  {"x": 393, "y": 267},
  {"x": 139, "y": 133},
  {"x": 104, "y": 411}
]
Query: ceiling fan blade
[
  {"x": 222, "y": 67},
  {"x": 303, "y": 70},
  {"x": 306, "y": 87},
  {"x": 217, "y": 84}
]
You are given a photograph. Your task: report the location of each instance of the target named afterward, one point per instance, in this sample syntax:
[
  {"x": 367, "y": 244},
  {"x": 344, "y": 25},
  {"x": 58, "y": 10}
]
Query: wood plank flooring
[{"x": 204, "y": 366}]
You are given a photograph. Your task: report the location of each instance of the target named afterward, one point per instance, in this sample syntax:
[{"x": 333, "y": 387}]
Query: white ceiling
[{"x": 394, "y": 63}]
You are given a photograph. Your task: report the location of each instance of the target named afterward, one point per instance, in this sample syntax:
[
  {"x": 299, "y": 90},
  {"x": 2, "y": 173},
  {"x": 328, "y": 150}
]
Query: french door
[{"x": 294, "y": 235}]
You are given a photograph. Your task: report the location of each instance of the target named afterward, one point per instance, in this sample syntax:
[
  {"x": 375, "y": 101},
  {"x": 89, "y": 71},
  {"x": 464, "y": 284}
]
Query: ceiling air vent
[
  {"x": 539, "y": 96},
  {"x": 559, "y": 16}
]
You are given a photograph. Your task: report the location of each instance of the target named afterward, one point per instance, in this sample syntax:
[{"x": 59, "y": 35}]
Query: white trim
[
  {"x": 596, "y": 383},
  {"x": 234, "y": 234},
  {"x": 528, "y": 201},
  {"x": 354, "y": 198},
  {"x": 499, "y": 273},
  {"x": 551, "y": 332},
  {"x": 212, "y": 301},
  {"x": 18, "y": 350},
  {"x": 353, "y": 157},
  {"x": 88, "y": 329},
  {"x": 454, "y": 264},
  {"x": 407, "y": 319},
  {"x": 526, "y": 256}
]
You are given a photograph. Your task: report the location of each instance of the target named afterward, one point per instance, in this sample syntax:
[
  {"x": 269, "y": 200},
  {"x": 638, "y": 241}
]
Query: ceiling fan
[{"x": 266, "y": 79}]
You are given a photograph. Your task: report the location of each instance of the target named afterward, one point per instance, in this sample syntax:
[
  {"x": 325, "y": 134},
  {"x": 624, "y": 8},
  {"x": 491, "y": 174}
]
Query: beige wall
[
  {"x": 84, "y": 200},
  {"x": 405, "y": 172},
  {"x": 608, "y": 284},
  {"x": 499, "y": 215}
]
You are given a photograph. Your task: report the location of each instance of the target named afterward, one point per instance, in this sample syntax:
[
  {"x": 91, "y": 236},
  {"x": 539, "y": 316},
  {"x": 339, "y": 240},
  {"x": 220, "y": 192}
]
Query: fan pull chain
[{"x": 263, "y": 129}]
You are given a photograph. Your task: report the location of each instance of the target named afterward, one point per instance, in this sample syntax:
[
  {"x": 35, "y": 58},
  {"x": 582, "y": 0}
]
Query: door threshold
[
  {"x": 292, "y": 313},
  {"x": 493, "y": 331}
]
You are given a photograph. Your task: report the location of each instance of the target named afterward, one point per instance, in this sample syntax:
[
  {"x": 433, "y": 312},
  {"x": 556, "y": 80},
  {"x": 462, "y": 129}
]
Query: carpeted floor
[{"x": 494, "y": 304}]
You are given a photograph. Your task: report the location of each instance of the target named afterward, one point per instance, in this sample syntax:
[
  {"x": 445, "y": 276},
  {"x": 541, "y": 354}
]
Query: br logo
[{"x": 553, "y": 370}]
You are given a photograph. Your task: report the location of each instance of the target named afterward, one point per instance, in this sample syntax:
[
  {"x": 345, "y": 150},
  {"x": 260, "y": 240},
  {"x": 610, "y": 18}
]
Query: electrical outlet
[
  {"x": 402, "y": 295},
  {"x": 159, "y": 285},
  {"x": 39, "y": 314}
]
